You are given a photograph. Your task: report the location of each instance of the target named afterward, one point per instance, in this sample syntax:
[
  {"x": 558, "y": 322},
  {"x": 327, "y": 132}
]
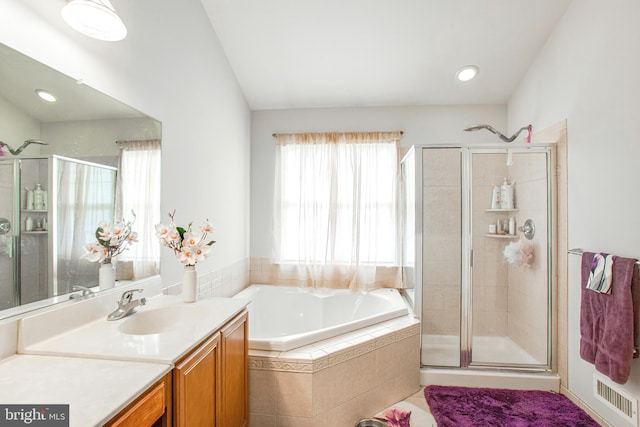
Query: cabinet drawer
[{"x": 145, "y": 411}]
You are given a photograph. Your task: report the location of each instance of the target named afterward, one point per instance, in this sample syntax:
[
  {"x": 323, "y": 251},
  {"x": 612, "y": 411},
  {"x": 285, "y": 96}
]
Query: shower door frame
[
  {"x": 16, "y": 230},
  {"x": 466, "y": 303},
  {"x": 466, "y": 299}
]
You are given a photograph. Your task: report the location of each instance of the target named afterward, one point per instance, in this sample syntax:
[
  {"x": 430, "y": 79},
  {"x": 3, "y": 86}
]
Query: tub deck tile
[{"x": 323, "y": 354}]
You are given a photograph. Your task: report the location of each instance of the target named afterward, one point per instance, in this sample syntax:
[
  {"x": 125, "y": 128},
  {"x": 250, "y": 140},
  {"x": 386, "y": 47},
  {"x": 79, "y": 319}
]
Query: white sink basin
[{"x": 161, "y": 320}]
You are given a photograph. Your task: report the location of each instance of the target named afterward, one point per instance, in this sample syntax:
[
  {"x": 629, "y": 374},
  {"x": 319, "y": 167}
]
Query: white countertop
[
  {"x": 97, "y": 368},
  {"x": 103, "y": 339},
  {"x": 96, "y": 390}
]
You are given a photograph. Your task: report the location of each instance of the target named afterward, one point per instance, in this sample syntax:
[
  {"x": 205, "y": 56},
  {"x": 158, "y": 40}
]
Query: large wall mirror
[{"x": 101, "y": 162}]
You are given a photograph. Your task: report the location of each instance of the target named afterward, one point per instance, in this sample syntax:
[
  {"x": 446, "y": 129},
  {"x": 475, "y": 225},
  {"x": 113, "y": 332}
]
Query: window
[
  {"x": 336, "y": 199},
  {"x": 139, "y": 191}
]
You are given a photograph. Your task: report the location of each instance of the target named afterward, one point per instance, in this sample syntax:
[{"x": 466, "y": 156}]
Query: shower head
[
  {"x": 500, "y": 135},
  {"x": 23, "y": 146},
  {"x": 479, "y": 127}
]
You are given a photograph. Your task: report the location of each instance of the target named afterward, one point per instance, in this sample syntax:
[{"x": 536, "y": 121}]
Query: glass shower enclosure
[
  {"x": 51, "y": 207},
  {"x": 480, "y": 269}
]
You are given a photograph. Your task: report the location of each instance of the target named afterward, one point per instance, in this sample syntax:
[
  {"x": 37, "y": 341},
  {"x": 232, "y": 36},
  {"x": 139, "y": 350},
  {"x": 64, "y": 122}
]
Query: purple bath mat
[{"x": 494, "y": 407}]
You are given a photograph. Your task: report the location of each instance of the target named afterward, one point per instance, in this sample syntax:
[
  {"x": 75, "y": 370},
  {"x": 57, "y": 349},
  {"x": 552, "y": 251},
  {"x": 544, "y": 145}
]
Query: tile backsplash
[{"x": 224, "y": 282}]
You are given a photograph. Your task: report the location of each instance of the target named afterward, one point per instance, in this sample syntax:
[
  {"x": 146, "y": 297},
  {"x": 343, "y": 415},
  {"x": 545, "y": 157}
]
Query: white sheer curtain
[
  {"x": 139, "y": 190},
  {"x": 85, "y": 197},
  {"x": 335, "y": 202}
]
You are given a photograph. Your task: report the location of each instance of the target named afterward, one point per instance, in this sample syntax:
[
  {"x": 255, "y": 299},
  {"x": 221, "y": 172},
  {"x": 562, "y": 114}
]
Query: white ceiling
[
  {"x": 21, "y": 75},
  {"x": 349, "y": 53}
]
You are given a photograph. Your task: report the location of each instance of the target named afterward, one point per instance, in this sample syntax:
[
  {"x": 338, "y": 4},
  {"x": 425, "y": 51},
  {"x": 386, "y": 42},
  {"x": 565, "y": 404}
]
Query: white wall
[
  {"x": 172, "y": 67},
  {"x": 587, "y": 73},
  {"x": 84, "y": 138},
  {"x": 17, "y": 126},
  {"x": 421, "y": 125}
]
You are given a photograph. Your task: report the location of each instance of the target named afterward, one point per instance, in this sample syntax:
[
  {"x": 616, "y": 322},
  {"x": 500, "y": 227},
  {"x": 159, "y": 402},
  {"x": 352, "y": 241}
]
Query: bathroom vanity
[
  {"x": 211, "y": 383},
  {"x": 168, "y": 364},
  {"x": 208, "y": 386}
]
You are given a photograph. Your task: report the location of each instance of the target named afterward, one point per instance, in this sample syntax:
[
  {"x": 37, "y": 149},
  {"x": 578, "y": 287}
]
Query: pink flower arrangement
[
  {"x": 397, "y": 417},
  {"x": 111, "y": 240},
  {"x": 189, "y": 246}
]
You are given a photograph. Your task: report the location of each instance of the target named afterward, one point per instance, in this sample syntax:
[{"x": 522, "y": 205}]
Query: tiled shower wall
[
  {"x": 511, "y": 300},
  {"x": 490, "y": 272},
  {"x": 441, "y": 241},
  {"x": 507, "y": 300},
  {"x": 528, "y": 293}
]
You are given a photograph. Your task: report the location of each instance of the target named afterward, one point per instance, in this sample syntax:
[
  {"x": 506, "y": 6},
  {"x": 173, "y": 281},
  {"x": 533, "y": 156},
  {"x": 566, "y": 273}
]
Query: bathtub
[{"x": 282, "y": 318}]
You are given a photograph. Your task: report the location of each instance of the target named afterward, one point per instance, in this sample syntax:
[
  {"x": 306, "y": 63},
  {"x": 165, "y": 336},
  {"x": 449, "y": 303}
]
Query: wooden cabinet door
[
  {"x": 196, "y": 386},
  {"x": 234, "y": 371},
  {"x": 148, "y": 410}
]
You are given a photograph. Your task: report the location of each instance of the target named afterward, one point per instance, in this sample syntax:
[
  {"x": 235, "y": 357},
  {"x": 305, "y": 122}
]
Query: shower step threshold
[{"x": 549, "y": 381}]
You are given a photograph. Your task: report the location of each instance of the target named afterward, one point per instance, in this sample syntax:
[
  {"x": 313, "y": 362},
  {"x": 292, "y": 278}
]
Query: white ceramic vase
[
  {"x": 106, "y": 276},
  {"x": 189, "y": 283}
]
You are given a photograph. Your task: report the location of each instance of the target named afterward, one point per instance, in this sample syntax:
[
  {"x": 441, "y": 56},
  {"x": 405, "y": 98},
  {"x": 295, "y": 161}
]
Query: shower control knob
[
  {"x": 528, "y": 229},
  {"x": 5, "y": 226}
]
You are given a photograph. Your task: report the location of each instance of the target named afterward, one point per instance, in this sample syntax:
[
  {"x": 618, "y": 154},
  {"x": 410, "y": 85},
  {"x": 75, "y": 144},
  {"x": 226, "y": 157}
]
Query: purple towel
[{"x": 609, "y": 322}]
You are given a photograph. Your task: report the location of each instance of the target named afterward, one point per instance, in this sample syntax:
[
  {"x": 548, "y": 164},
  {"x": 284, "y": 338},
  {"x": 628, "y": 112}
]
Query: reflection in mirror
[
  {"x": 85, "y": 196},
  {"x": 101, "y": 161}
]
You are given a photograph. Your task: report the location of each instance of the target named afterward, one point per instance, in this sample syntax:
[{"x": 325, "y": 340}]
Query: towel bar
[{"x": 579, "y": 251}]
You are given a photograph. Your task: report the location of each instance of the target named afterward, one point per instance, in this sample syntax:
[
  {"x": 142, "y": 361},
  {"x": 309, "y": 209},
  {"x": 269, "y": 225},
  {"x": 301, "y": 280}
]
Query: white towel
[{"x": 600, "y": 276}]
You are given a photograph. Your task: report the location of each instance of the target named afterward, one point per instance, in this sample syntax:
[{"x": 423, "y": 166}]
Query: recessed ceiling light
[
  {"x": 467, "y": 73},
  {"x": 45, "y": 95},
  {"x": 94, "y": 18}
]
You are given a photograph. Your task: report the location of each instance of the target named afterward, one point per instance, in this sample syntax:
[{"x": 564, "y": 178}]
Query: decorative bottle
[
  {"x": 29, "y": 205},
  {"x": 495, "y": 197},
  {"x": 38, "y": 198},
  {"x": 506, "y": 195}
]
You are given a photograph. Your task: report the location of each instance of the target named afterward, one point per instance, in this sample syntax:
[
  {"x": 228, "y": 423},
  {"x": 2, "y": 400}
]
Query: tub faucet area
[{"x": 126, "y": 305}]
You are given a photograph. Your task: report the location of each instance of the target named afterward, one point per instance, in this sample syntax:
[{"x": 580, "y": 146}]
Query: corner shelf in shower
[
  {"x": 502, "y": 210},
  {"x": 502, "y": 236},
  {"x": 35, "y": 232}
]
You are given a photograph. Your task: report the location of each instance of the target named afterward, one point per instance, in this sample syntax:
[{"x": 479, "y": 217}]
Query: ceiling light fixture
[
  {"x": 94, "y": 18},
  {"x": 47, "y": 96},
  {"x": 466, "y": 73}
]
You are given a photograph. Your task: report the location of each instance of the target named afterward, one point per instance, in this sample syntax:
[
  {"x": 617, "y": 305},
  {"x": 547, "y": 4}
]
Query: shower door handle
[{"x": 471, "y": 258}]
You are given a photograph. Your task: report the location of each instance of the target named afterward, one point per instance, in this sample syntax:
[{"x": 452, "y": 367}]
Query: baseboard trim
[{"x": 575, "y": 399}]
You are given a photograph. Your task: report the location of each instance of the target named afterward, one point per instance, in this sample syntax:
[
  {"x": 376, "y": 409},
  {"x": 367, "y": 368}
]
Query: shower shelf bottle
[
  {"x": 504, "y": 228},
  {"x": 506, "y": 195},
  {"x": 495, "y": 197}
]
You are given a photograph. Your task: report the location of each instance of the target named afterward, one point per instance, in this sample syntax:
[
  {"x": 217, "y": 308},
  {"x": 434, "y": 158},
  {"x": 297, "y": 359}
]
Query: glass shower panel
[
  {"x": 409, "y": 237},
  {"x": 34, "y": 241},
  {"x": 9, "y": 235},
  {"x": 510, "y": 292},
  {"x": 441, "y": 257}
]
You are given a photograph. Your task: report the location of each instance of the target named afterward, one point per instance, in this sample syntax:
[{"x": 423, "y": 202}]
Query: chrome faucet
[
  {"x": 126, "y": 305},
  {"x": 84, "y": 292}
]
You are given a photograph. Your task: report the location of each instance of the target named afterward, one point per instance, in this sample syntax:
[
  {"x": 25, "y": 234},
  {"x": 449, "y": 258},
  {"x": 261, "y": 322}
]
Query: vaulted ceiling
[{"x": 346, "y": 53}]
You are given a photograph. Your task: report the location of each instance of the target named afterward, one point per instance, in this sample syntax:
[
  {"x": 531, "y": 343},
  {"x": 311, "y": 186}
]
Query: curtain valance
[{"x": 338, "y": 137}]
